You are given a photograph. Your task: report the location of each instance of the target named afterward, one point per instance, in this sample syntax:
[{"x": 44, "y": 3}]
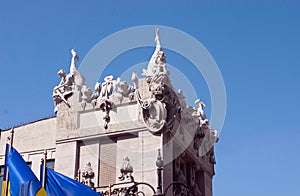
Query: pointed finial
[
  {"x": 157, "y": 41},
  {"x": 74, "y": 54},
  {"x": 73, "y": 65},
  {"x": 159, "y": 161},
  {"x": 157, "y": 31}
]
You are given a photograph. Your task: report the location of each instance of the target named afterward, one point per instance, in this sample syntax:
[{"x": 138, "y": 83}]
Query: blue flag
[
  {"x": 60, "y": 185},
  {"x": 22, "y": 180},
  {"x": 4, "y": 175}
]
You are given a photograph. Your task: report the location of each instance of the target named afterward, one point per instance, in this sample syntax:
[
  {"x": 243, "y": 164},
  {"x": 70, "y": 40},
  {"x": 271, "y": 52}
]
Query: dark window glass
[
  {"x": 1, "y": 176},
  {"x": 50, "y": 163}
]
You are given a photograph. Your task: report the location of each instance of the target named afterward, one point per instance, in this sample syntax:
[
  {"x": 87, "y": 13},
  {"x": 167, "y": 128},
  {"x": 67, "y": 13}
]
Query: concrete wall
[
  {"x": 77, "y": 137},
  {"x": 31, "y": 141}
]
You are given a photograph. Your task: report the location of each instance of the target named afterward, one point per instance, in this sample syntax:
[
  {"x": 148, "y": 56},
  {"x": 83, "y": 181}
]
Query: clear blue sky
[{"x": 256, "y": 45}]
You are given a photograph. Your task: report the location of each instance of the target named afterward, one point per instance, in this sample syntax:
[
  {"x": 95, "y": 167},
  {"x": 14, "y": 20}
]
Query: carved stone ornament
[
  {"x": 87, "y": 175},
  {"x": 124, "y": 90},
  {"x": 105, "y": 106},
  {"x": 154, "y": 114},
  {"x": 65, "y": 88},
  {"x": 160, "y": 110},
  {"x": 205, "y": 136},
  {"x": 71, "y": 83},
  {"x": 126, "y": 171},
  {"x": 107, "y": 87},
  {"x": 103, "y": 92}
]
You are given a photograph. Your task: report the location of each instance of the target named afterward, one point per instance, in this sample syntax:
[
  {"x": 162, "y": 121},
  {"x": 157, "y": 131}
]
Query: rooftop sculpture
[
  {"x": 64, "y": 89},
  {"x": 163, "y": 110}
]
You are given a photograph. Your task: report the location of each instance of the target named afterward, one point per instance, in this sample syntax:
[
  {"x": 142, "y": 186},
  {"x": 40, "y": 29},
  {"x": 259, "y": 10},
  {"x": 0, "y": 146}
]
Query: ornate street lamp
[{"x": 159, "y": 165}]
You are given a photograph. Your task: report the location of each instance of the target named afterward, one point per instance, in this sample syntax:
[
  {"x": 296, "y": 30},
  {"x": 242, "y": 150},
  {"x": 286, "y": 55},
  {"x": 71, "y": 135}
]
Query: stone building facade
[{"x": 109, "y": 137}]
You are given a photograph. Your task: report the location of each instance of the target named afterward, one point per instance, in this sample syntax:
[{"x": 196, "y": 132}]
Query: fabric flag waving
[
  {"x": 22, "y": 180},
  {"x": 4, "y": 176},
  {"x": 60, "y": 185}
]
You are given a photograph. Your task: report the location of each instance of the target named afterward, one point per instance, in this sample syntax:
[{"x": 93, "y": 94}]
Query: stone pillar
[
  {"x": 207, "y": 185},
  {"x": 168, "y": 157},
  {"x": 66, "y": 155}
]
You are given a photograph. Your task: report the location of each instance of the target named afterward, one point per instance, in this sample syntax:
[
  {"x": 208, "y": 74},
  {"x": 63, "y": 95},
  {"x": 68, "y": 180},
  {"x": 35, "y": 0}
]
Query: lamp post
[
  {"x": 181, "y": 188},
  {"x": 158, "y": 192},
  {"x": 159, "y": 165}
]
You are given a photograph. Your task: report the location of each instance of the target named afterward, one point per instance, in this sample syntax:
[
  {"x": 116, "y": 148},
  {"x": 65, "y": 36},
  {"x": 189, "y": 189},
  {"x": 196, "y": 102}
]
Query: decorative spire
[
  {"x": 157, "y": 41},
  {"x": 156, "y": 70},
  {"x": 73, "y": 65},
  {"x": 162, "y": 108}
]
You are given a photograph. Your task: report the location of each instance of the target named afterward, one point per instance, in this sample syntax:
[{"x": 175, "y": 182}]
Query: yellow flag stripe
[
  {"x": 41, "y": 192},
  {"x": 3, "y": 189}
]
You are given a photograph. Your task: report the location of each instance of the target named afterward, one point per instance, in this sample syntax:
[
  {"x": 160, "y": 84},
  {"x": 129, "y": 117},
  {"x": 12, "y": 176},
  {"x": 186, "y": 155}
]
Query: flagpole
[
  {"x": 44, "y": 169},
  {"x": 10, "y": 146}
]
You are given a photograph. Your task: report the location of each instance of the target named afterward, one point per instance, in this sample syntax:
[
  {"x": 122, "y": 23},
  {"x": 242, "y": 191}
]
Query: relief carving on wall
[
  {"x": 111, "y": 88},
  {"x": 126, "y": 171},
  {"x": 103, "y": 92},
  {"x": 88, "y": 175}
]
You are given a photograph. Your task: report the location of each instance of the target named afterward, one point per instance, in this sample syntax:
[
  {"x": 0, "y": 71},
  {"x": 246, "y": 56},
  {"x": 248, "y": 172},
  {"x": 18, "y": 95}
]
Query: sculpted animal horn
[{"x": 138, "y": 96}]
